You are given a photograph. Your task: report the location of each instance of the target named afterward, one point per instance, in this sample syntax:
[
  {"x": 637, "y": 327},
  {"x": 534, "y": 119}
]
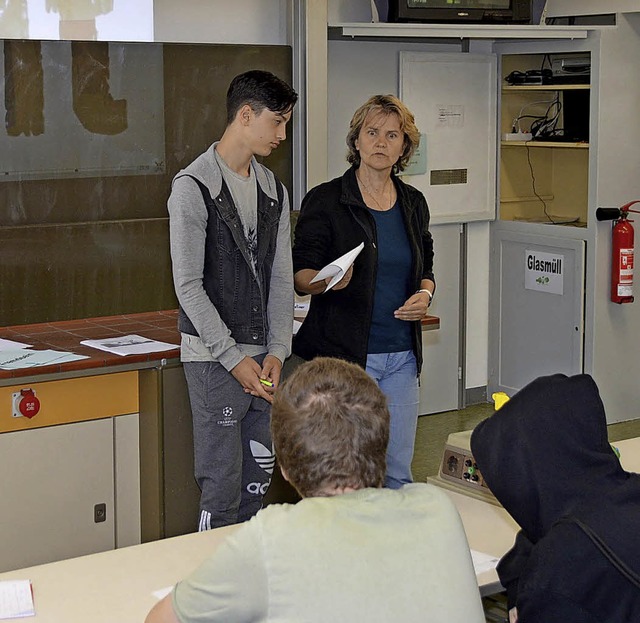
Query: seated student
[
  {"x": 350, "y": 550},
  {"x": 546, "y": 457}
]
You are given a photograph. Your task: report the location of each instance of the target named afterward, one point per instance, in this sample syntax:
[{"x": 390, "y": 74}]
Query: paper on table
[
  {"x": 129, "y": 345},
  {"x": 483, "y": 562},
  {"x": 11, "y": 345},
  {"x": 338, "y": 268},
  {"x": 23, "y": 358},
  {"x": 16, "y": 599},
  {"x": 161, "y": 593}
]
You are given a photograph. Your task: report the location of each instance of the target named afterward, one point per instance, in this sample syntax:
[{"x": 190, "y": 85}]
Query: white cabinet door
[
  {"x": 453, "y": 98},
  {"x": 52, "y": 480},
  {"x": 536, "y": 326}
]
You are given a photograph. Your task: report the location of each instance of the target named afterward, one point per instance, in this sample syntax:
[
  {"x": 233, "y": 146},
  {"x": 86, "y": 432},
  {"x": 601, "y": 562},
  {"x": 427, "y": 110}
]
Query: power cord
[
  {"x": 533, "y": 186},
  {"x": 543, "y": 126}
]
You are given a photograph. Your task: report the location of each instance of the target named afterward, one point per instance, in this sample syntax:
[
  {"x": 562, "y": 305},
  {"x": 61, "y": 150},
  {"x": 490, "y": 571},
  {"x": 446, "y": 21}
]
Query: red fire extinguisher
[{"x": 622, "y": 251}]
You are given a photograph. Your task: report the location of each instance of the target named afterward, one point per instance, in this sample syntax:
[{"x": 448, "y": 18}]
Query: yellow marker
[
  {"x": 499, "y": 398},
  {"x": 267, "y": 383}
]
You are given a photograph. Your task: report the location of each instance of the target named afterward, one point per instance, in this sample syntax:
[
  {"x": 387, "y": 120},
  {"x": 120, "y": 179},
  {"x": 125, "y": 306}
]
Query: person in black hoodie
[{"x": 546, "y": 457}]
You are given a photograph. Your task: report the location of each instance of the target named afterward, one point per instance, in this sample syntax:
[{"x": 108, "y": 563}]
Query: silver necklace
[{"x": 368, "y": 190}]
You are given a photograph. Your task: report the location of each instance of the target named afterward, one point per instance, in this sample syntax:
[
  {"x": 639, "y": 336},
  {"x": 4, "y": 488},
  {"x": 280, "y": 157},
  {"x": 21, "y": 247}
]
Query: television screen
[
  {"x": 452, "y": 4},
  {"x": 463, "y": 11}
]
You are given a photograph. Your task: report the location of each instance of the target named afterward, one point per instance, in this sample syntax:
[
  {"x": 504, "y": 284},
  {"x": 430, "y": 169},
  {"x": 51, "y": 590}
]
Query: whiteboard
[{"x": 453, "y": 97}]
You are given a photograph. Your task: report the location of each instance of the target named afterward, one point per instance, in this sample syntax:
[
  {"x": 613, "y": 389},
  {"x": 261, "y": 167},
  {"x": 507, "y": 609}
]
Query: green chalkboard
[{"x": 94, "y": 132}]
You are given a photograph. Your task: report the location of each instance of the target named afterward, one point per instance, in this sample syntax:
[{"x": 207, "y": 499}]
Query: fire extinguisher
[{"x": 622, "y": 251}]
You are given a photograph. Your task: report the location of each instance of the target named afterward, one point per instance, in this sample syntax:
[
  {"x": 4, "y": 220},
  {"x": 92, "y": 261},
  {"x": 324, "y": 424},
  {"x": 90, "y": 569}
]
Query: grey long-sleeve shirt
[{"x": 187, "y": 229}]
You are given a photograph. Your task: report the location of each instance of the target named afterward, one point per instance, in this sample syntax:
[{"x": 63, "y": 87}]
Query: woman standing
[{"x": 372, "y": 316}]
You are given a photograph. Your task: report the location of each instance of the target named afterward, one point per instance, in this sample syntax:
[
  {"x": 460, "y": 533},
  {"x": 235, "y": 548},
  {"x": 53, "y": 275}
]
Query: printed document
[
  {"x": 11, "y": 345},
  {"x": 16, "y": 599},
  {"x": 25, "y": 358},
  {"x": 129, "y": 345},
  {"x": 338, "y": 268}
]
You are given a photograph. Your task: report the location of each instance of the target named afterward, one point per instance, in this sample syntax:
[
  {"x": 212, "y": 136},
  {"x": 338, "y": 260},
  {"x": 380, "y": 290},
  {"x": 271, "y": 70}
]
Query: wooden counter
[
  {"x": 67, "y": 335},
  {"x": 137, "y": 406},
  {"x": 95, "y": 441}
]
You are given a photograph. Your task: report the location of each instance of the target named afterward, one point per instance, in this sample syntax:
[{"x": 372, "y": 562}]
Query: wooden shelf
[{"x": 552, "y": 144}]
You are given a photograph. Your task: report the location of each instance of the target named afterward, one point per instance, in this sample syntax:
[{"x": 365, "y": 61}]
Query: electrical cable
[
  {"x": 516, "y": 121},
  {"x": 548, "y": 124},
  {"x": 533, "y": 185}
]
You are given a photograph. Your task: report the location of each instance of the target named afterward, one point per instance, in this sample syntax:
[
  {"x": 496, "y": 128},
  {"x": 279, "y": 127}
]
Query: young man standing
[
  {"x": 231, "y": 254},
  {"x": 350, "y": 550}
]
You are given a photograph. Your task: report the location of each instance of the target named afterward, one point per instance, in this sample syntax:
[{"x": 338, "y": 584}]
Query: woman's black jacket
[{"x": 333, "y": 220}]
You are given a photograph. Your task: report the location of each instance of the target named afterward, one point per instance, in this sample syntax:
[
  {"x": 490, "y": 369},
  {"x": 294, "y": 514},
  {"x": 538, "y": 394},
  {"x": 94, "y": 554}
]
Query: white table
[
  {"x": 490, "y": 529},
  {"x": 117, "y": 586},
  {"x": 114, "y": 586},
  {"x": 629, "y": 453}
]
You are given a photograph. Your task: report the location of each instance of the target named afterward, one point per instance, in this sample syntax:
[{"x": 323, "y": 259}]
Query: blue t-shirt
[{"x": 393, "y": 284}]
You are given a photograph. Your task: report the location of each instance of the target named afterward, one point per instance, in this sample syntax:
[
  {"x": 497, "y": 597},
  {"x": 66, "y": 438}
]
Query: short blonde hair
[
  {"x": 385, "y": 104},
  {"x": 330, "y": 427}
]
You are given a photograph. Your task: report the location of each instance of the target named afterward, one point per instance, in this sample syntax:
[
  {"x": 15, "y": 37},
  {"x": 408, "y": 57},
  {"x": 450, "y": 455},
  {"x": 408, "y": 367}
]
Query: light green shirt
[{"x": 375, "y": 555}]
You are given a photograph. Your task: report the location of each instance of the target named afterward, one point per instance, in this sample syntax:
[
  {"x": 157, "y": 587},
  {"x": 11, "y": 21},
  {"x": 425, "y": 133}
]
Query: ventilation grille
[{"x": 448, "y": 176}]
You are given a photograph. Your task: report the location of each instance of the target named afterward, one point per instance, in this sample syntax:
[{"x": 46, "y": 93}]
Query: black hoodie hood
[{"x": 545, "y": 456}]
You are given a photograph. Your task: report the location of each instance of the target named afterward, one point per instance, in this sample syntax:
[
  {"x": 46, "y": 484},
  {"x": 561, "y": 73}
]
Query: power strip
[
  {"x": 517, "y": 136},
  {"x": 459, "y": 471}
]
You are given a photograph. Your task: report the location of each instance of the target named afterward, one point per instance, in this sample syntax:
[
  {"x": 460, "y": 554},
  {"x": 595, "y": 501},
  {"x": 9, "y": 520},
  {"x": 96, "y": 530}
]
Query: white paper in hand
[{"x": 337, "y": 269}]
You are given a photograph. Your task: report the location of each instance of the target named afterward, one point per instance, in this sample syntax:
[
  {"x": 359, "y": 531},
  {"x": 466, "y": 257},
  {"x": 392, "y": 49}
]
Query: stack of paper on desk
[{"x": 338, "y": 268}]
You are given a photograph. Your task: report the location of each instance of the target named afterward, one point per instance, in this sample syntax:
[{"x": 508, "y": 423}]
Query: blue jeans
[{"x": 397, "y": 376}]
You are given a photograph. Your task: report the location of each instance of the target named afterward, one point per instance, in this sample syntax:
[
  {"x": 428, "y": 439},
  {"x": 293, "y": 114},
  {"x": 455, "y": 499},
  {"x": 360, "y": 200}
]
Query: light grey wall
[
  {"x": 615, "y": 356},
  {"x": 221, "y": 21}
]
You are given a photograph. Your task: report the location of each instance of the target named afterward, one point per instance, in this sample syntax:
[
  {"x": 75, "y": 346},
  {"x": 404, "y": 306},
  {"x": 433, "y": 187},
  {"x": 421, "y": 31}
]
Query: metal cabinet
[
  {"x": 70, "y": 481},
  {"x": 537, "y": 324},
  {"x": 57, "y": 492}
]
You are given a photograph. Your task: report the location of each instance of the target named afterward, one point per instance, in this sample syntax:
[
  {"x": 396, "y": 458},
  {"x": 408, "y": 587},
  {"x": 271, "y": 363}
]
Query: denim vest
[{"x": 228, "y": 278}]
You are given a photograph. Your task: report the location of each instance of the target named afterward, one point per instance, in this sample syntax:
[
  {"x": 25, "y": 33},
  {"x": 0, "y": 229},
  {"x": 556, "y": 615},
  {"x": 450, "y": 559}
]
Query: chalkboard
[
  {"x": 83, "y": 216},
  {"x": 453, "y": 97}
]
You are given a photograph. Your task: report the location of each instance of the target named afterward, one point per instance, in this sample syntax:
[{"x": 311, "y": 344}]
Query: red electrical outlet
[{"x": 25, "y": 403}]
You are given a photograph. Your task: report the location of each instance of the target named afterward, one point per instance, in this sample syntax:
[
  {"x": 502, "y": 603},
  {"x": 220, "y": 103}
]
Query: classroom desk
[
  {"x": 490, "y": 529},
  {"x": 629, "y": 453},
  {"x": 117, "y": 585},
  {"x": 114, "y": 586}
]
